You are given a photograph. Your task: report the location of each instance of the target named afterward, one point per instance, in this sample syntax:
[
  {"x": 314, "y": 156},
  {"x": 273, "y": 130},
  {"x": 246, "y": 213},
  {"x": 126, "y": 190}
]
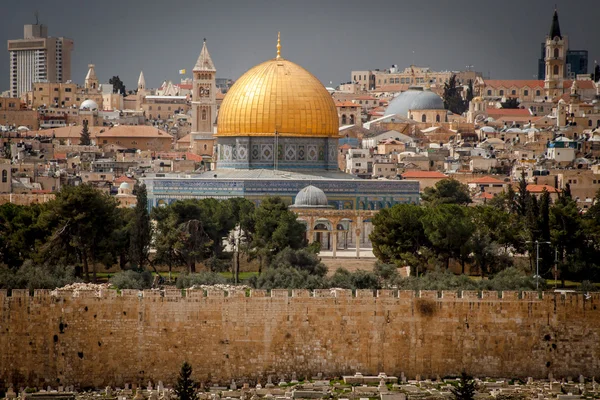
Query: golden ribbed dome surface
[{"x": 281, "y": 96}]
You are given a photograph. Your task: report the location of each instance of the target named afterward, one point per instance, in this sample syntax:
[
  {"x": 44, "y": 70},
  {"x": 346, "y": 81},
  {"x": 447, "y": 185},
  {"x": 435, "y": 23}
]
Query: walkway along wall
[{"x": 103, "y": 338}]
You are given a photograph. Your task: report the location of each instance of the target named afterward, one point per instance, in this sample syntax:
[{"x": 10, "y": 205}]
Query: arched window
[
  {"x": 203, "y": 115},
  {"x": 352, "y": 119},
  {"x": 502, "y": 93},
  {"x": 555, "y": 53},
  {"x": 4, "y": 176},
  {"x": 589, "y": 122},
  {"x": 489, "y": 92},
  {"x": 555, "y": 70},
  {"x": 343, "y": 119},
  {"x": 538, "y": 93},
  {"x": 437, "y": 118},
  {"x": 423, "y": 118},
  {"x": 205, "y": 147}
]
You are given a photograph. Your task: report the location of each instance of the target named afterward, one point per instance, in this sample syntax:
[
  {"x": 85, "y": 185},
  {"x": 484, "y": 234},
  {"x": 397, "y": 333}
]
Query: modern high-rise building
[{"x": 38, "y": 58}]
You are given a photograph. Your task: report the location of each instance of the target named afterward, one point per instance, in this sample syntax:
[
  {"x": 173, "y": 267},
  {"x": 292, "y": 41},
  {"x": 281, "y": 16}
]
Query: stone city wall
[{"x": 106, "y": 338}]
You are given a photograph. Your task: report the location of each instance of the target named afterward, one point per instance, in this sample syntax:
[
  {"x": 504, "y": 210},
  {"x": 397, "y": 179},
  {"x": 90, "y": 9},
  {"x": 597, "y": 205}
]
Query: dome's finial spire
[{"x": 278, "y": 45}]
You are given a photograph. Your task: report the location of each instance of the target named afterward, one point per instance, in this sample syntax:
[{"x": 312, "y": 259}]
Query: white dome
[
  {"x": 311, "y": 197},
  {"x": 414, "y": 99},
  {"x": 89, "y": 105},
  {"x": 125, "y": 185}
]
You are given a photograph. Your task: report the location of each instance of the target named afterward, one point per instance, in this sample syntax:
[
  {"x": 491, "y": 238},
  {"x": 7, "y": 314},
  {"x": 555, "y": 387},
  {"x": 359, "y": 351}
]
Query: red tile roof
[
  {"x": 423, "y": 174},
  {"x": 508, "y": 83},
  {"x": 124, "y": 178},
  {"x": 508, "y": 111},
  {"x": 540, "y": 189},
  {"x": 346, "y": 104},
  {"x": 193, "y": 157},
  {"x": 364, "y": 98}
]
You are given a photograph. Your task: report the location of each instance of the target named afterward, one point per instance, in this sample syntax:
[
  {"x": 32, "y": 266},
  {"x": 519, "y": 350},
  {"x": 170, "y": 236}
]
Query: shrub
[
  {"x": 387, "y": 272},
  {"x": 287, "y": 277},
  {"x": 302, "y": 260},
  {"x": 342, "y": 278},
  {"x": 511, "y": 279},
  {"x": 201, "y": 278},
  {"x": 132, "y": 280},
  {"x": 33, "y": 276},
  {"x": 365, "y": 280}
]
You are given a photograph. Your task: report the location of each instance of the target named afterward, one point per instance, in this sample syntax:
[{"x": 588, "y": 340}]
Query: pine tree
[
  {"x": 452, "y": 98},
  {"x": 466, "y": 388},
  {"x": 185, "y": 389},
  {"x": 140, "y": 233},
  {"x": 85, "y": 135}
]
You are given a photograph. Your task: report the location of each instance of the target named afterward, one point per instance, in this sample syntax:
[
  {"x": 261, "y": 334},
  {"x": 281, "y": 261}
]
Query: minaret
[
  {"x": 91, "y": 81},
  {"x": 556, "y": 52},
  {"x": 204, "y": 104}
]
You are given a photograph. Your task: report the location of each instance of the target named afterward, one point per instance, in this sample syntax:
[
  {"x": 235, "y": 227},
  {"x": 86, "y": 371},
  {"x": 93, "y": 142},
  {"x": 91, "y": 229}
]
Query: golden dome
[{"x": 281, "y": 96}]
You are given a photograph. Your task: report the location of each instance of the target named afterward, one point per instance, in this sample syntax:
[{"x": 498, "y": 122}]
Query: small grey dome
[
  {"x": 414, "y": 99},
  {"x": 311, "y": 197}
]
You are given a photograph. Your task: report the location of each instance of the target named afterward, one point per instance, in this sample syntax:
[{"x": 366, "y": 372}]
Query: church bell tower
[
  {"x": 204, "y": 104},
  {"x": 555, "y": 60}
]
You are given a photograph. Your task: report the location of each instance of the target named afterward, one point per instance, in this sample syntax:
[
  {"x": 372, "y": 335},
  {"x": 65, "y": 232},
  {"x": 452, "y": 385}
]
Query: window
[
  {"x": 56, "y": 89},
  {"x": 203, "y": 115},
  {"x": 555, "y": 70},
  {"x": 525, "y": 92},
  {"x": 68, "y": 90},
  {"x": 514, "y": 92},
  {"x": 489, "y": 92},
  {"x": 134, "y": 142},
  {"x": 4, "y": 176},
  {"x": 555, "y": 53},
  {"x": 205, "y": 147},
  {"x": 352, "y": 119},
  {"x": 354, "y": 78},
  {"x": 502, "y": 93},
  {"x": 343, "y": 119},
  {"x": 537, "y": 93},
  {"x": 437, "y": 118},
  {"x": 423, "y": 118}
]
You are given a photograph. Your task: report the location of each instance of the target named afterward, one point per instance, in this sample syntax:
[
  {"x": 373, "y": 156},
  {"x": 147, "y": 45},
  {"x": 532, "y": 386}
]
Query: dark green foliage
[
  {"x": 466, "y": 388},
  {"x": 19, "y": 233},
  {"x": 118, "y": 85},
  {"x": 511, "y": 102},
  {"x": 132, "y": 280},
  {"x": 275, "y": 228},
  {"x": 397, "y": 231},
  {"x": 453, "y": 100},
  {"x": 85, "y": 134},
  {"x": 447, "y": 191},
  {"x": 437, "y": 280},
  {"x": 287, "y": 277},
  {"x": 302, "y": 260},
  {"x": 82, "y": 221},
  {"x": 201, "y": 278},
  {"x": 509, "y": 279},
  {"x": 185, "y": 388},
  {"x": 140, "y": 231},
  {"x": 33, "y": 276}
]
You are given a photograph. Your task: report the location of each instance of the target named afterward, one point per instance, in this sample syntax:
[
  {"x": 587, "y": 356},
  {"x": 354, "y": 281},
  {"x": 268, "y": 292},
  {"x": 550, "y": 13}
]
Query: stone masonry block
[
  {"x": 406, "y": 294},
  {"x": 530, "y": 295},
  {"x": 300, "y": 293},
  {"x": 20, "y": 293},
  {"x": 386, "y": 293},
  {"x": 489, "y": 295},
  {"x": 258, "y": 293},
  {"x": 469, "y": 294},
  {"x": 215, "y": 293},
  {"x": 279, "y": 293},
  {"x": 449, "y": 294},
  {"x": 324, "y": 293},
  {"x": 510, "y": 295},
  {"x": 428, "y": 294},
  {"x": 194, "y": 293},
  {"x": 343, "y": 293},
  {"x": 362, "y": 293},
  {"x": 152, "y": 293}
]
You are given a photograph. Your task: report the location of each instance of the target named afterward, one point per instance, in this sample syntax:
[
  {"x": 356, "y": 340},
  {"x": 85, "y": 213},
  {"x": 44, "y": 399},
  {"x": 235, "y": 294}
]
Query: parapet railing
[{"x": 364, "y": 294}]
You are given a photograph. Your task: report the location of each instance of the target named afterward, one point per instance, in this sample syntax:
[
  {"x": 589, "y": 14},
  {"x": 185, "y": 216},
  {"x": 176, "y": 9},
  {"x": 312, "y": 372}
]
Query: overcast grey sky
[{"x": 328, "y": 37}]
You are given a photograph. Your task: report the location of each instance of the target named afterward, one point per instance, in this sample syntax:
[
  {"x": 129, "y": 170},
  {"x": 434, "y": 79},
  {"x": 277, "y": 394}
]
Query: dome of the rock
[{"x": 278, "y": 95}]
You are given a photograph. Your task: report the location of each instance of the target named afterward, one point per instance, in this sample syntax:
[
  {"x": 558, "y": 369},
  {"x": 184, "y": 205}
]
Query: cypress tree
[
  {"x": 85, "y": 135},
  {"x": 140, "y": 231},
  {"x": 185, "y": 389}
]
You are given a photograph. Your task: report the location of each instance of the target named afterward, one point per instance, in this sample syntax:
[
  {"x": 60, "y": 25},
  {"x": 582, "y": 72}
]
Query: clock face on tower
[{"x": 204, "y": 91}]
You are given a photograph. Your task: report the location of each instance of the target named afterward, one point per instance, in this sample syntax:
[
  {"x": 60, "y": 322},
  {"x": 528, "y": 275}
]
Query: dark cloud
[{"x": 329, "y": 38}]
